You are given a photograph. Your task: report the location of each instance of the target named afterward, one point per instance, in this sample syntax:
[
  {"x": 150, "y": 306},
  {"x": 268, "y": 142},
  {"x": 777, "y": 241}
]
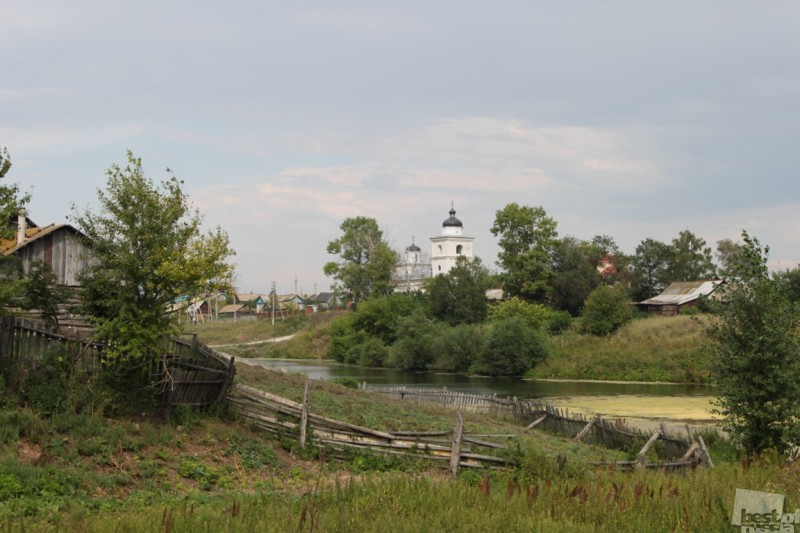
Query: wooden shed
[
  {"x": 59, "y": 246},
  {"x": 679, "y": 295}
]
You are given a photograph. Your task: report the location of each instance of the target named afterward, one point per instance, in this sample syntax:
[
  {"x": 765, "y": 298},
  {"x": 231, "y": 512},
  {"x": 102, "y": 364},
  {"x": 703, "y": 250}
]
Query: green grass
[
  {"x": 672, "y": 349},
  {"x": 77, "y": 472},
  {"x": 600, "y": 501},
  {"x": 378, "y": 412},
  {"x": 310, "y": 336}
]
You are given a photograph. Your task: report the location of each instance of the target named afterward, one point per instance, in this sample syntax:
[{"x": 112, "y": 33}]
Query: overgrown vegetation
[
  {"x": 84, "y": 472},
  {"x": 148, "y": 249},
  {"x": 756, "y": 366},
  {"x": 673, "y": 349}
]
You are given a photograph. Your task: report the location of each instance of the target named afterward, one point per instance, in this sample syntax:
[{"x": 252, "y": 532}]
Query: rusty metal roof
[
  {"x": 683, "y": 292},
  {"x": 9, "y": 246}
]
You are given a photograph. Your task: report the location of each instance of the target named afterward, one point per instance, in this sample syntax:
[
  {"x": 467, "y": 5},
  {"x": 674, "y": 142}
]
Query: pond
[
  {"x": 522, "y": 388},
  {"x": 642, "y": 404}
]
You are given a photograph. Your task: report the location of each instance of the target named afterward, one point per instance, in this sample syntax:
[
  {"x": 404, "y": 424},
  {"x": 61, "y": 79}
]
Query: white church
[{"x": 414, "y": 266}]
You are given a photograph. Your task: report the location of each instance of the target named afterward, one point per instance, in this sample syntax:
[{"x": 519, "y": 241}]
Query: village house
[
  {"x": 679, "y": 295},
  {"x": 60, "y": 247}
]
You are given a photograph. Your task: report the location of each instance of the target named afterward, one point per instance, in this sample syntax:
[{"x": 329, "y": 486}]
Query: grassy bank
[
  {"x": 250, "y": 338},
  {"x": 652, "y": 349},
  {"x": 670, "y": 349},
  {"x": 200, "y": 473}
]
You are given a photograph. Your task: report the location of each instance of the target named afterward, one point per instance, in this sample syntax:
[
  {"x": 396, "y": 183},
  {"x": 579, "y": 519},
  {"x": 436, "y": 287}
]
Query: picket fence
[{"x": 672, "y": 451}]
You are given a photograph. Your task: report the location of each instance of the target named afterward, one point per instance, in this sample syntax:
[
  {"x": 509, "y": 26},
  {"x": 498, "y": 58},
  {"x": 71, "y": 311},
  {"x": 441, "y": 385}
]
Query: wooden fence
[
  {"x": 30, "y": 341},
  {"x": 190, "y": 373},
  {"x": 672, "y": 451},
  {"x": 286, "y": 418},
  {"x": 489, "y": 404}
]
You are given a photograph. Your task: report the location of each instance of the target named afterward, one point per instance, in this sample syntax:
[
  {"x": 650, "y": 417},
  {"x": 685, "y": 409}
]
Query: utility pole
[
  {"x": 274, "y": 297},
  {"x": 295, "y": 285}
]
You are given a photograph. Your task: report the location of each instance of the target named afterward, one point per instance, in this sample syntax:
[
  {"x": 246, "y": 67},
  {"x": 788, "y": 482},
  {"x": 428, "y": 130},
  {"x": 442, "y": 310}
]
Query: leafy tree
[
  {"x": 460, "y": 295},
  {"x": 379, "y": 317},
  {"x": 42, "y": 292},
  {"x": 757, "y": 368},
  {"x": 651, "y": 269},
  {"x": 512, "y": 348},
  {"x": 575, "y": 273},
  {"x": 790, "y": 282},
  {"x": 728, "y": 254},
  {"x": 691, "y": 258},
  {"x": 148, "y": 250},
  {"x": 416, "y": 347},
  {"x": 458, "y": 347},
  {"x": 536, "y": 316},
  {"x": 606, "y": 310},
  {"x": 11, "y": 204},
  {"x": 527, "y": 241},
  {"x": 366, "y": 260},
  {"x": 606, "y": 244}
]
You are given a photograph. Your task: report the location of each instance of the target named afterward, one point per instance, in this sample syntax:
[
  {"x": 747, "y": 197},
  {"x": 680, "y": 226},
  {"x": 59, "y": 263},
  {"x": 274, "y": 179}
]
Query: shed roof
[
  {"x": 683, "y": 292},
  {"x": 233, "y": 308},
  {"x": 9, "y": 246}
]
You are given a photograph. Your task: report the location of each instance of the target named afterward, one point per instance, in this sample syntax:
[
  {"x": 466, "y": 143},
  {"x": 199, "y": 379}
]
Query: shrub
[
  {"x": 558, "y": 322},
  {"x": 536, "y": 316},
  {"x": 415, "y": 348},
  {"x": 512, "y": 348},
  {"x": 606, "y": 309},
  {"x": 371, "y": 352},
  {"x": 458, "y": 347}
]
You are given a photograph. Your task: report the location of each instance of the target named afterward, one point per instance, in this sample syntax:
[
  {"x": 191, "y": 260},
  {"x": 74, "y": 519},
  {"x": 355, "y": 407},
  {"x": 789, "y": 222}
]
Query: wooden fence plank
[
  {"x": 304, "y": 416},
  {"x": 455, "y": 452}
]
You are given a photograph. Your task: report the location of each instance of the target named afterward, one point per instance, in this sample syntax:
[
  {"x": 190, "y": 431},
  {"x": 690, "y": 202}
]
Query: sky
[{"x": 635, "y": 119}]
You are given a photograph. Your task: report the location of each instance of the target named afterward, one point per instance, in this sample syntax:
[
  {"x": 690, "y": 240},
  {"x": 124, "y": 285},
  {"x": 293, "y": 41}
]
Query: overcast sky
[{"x": 634, "y": 119}]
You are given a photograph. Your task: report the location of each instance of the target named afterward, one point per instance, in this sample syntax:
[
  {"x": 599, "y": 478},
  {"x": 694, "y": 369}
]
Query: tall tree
[
  {"x": 756, "y": 365},
  {"x": 11, "y": 205},
  {"x": 11, "y": 201},
  {"x": 575, "y": 273},
  {"x": 366, "y": 260},
  {"x": 460, "y": 295},
  {"x": 691, "y": 258},
  {"x": 527, "y": 241},
  {"x": 728, "y": 254},
  {"x": 148, "y": 249},
  {"x": 650, "y": 265}
]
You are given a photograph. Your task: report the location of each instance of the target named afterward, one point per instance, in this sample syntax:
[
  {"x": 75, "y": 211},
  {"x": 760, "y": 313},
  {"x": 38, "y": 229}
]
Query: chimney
[{"x": 22, "y": 225}]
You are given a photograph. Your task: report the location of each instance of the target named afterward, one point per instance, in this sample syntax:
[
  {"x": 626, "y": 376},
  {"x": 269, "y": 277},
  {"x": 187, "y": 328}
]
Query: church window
[{"x": 458, "y": 249}]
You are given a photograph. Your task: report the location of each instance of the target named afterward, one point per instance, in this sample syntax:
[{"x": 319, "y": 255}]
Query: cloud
[{"x": 45, "y": 140}]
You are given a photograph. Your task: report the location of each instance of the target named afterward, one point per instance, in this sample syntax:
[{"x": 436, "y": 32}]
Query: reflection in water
[{"x": 521, "y": 388}]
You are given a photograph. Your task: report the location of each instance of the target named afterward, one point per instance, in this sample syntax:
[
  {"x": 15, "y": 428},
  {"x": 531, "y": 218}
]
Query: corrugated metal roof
[{"x": 683, "y": 292}]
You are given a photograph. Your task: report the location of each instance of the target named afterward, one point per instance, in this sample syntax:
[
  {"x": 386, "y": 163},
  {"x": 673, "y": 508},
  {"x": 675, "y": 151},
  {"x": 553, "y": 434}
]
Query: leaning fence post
[
  {"x": 535, "y": 423},
  {"x": 642, "y": 460},
  {"x": 304, "y": 417},
  {"x": 455, "y": 451},
  {"x": 586, "y": 429},
  {"x": 705, "y": 451}
]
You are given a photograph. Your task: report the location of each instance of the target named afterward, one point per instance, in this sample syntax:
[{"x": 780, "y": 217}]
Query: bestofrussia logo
[{"x": 757, "y": 512}]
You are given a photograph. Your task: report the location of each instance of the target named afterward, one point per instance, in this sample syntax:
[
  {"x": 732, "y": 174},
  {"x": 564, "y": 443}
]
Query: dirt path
[{"x": 253, "y": 343}]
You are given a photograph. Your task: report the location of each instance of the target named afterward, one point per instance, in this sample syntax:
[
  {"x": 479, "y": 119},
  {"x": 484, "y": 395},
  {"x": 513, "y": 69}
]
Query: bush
[
  {"x": 416, "y": 346},
  {"x": 559, "y": 322},
  {"x": 458, "y": 347},
  {"x": 512, "y": 348},
  {"x": 371, "y": 352},
  {"x": 606, "y": 309},
  {"x": 536, "y": 316}
]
